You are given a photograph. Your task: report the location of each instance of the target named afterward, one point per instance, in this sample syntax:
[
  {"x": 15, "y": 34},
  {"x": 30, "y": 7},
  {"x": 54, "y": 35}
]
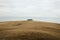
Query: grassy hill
[{"x": 29, "y": 30}]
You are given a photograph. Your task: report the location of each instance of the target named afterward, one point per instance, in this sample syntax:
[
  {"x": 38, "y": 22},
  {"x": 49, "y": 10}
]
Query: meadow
[{"x": 29, "y": 30}]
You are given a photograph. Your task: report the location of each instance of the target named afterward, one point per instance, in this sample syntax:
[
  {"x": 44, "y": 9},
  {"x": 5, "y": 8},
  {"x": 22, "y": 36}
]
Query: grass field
[{"x": 29, "y": 30}]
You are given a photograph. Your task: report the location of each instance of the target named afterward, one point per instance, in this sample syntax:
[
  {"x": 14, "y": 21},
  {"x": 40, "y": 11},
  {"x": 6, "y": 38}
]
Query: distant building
[{"x": 29, "y": 19}]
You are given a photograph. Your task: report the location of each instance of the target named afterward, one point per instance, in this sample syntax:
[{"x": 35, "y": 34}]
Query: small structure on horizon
[{"x": 29, "y": 19}]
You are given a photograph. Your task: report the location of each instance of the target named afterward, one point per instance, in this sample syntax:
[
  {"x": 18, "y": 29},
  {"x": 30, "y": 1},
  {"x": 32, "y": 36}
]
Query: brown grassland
[{"x": 29, "y": 30}]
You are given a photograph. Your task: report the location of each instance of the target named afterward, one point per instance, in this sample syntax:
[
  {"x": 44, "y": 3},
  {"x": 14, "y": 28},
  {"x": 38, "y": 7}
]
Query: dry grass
[{"x": 29, "y": 30}]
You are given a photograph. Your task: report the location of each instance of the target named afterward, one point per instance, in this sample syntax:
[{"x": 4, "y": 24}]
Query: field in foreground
[{"x": 29, "y": 30}]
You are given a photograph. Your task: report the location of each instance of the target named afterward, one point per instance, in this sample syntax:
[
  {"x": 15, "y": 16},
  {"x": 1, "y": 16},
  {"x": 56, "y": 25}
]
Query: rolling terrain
[{"x": 29, "y": 30}]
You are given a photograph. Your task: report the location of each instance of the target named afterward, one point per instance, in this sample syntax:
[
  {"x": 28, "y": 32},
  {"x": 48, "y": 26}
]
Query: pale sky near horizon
[{"x": 34, "y": 8}]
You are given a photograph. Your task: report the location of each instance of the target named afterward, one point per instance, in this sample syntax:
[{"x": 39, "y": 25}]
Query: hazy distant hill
[{"x": 49, "y": 19}]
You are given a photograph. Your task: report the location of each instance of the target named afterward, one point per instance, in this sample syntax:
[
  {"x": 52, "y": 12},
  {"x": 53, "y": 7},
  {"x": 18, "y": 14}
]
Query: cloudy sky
[{"x": 34, "y": 8}]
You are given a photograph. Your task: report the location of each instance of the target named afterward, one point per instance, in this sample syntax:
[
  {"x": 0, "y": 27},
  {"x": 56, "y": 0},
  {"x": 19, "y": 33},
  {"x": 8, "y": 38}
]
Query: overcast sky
[{"x": 34, "y": 8}]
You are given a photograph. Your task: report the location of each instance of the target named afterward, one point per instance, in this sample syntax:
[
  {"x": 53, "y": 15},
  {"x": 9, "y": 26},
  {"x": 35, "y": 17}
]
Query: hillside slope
[{"x": 29, "y": 30}]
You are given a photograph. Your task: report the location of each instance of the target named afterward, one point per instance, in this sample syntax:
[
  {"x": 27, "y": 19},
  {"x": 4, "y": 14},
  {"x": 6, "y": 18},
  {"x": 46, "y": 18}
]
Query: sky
[{"x": 30, "y": 8}]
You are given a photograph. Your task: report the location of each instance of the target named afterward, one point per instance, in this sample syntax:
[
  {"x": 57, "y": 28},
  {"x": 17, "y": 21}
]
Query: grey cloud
[{"x": 49, "y": 8}]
